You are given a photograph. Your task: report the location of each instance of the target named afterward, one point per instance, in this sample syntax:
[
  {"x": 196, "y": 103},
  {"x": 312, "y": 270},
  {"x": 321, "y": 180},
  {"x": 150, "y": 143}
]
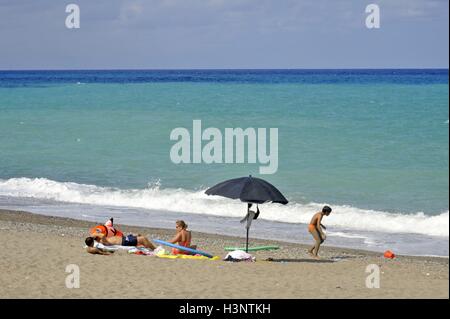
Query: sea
[{"x": 372, "y": 144}]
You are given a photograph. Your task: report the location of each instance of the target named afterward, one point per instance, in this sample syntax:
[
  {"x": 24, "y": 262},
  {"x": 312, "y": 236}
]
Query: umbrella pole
[{"x": 246, "y": 244}]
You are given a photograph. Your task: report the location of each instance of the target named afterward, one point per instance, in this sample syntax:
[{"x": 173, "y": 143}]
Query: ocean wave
[
  {"x": 345, "y": 235},
  {"x": 197, "y": 202}
]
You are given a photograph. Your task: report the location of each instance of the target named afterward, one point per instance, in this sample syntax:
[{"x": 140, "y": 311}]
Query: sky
[{"x": 223, "y": 34}]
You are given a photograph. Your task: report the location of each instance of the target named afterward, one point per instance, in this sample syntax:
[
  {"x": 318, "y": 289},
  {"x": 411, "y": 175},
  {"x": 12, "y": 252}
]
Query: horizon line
[{"x": 224, "y": 69}]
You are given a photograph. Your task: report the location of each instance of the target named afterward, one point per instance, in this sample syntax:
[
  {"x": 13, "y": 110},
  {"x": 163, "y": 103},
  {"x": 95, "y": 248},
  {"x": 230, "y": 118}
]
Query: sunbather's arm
[
  {"x": 176, "y": 239},
  {"x": 318, "y": 226},
  {"x": 97, "y": 251}
]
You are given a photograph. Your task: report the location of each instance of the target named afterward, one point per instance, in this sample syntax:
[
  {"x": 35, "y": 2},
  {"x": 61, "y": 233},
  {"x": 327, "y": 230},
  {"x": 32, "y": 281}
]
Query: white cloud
[
  {"x": 413, "y": 9},
  {"x": 130, "y": 11}
]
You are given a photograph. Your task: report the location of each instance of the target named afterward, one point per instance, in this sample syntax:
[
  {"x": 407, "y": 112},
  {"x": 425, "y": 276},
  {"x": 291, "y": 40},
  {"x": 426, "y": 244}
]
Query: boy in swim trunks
[{"x": 315, "y": 228}]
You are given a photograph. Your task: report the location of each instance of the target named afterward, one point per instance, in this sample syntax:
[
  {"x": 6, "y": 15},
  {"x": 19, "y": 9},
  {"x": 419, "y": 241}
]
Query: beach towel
[
  {"x": 239, "y": 255},
  {"x": 162, "y": 253},
  {"x": 141, "y": 251},
  {"x": 113, "y": 248},
  {"x": 251, "y": 215},
  {"x": 196, "y": 257}
]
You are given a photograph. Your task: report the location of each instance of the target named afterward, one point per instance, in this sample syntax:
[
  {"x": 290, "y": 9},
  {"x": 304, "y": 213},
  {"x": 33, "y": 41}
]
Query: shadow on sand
[
  {"x": 300, "y": 260},
  {"x": 309, "y": 260}
]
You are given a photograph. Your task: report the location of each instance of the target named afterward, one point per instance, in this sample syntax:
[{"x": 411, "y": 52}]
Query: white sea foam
[
  {"x": 344, "y": 235},
  {"x": 197, "y": 202}
]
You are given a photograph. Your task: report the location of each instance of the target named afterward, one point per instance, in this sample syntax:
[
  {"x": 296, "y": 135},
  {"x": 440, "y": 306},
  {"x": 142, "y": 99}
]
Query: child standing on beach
[{"x": 315, "y": 228}]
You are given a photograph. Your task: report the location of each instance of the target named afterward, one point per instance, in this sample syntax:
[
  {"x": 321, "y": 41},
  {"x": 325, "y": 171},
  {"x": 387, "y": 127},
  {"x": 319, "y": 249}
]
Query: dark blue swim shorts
[{"x": 129, "y": 240}]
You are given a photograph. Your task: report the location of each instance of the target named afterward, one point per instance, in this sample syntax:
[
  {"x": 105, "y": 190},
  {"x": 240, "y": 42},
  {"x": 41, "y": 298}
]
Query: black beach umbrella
[{"x": 249, "y": 190}]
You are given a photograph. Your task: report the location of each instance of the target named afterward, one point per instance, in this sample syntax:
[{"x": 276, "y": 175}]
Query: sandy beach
[{"x": 37, "y": 249}]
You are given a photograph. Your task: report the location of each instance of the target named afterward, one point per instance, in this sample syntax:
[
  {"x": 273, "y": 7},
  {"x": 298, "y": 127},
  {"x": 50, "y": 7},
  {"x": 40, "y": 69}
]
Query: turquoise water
[{"x": 365, "y": 141}]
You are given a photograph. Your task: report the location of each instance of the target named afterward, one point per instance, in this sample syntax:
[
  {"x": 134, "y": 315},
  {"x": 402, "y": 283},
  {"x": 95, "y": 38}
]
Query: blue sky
[{"x": 173, "y": 34}]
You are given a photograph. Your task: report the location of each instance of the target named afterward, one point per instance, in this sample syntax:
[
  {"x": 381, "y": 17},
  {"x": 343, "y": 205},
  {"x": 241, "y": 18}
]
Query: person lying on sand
[
  {"x": 92, "y": 248},
  {"x": 182, "y": 238},
  {"x": 315, "y": 228},
  {"x": 129, "y": 240}
]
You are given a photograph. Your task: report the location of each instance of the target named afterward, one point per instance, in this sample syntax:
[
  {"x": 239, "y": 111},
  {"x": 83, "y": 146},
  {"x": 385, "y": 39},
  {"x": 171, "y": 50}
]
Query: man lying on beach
[
  {"x": 129, "y": 240},
  {"x": 315, "y": 228},
  {"x": 93, "y": 248}
]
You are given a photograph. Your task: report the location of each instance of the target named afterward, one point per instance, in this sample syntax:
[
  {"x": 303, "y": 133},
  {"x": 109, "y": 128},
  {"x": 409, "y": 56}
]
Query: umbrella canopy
[{"x": 248, "y": 189}]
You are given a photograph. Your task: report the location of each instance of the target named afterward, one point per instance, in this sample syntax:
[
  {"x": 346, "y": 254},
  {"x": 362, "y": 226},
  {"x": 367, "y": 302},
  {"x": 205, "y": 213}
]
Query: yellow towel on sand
[{"x": 188, "y": 257}]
